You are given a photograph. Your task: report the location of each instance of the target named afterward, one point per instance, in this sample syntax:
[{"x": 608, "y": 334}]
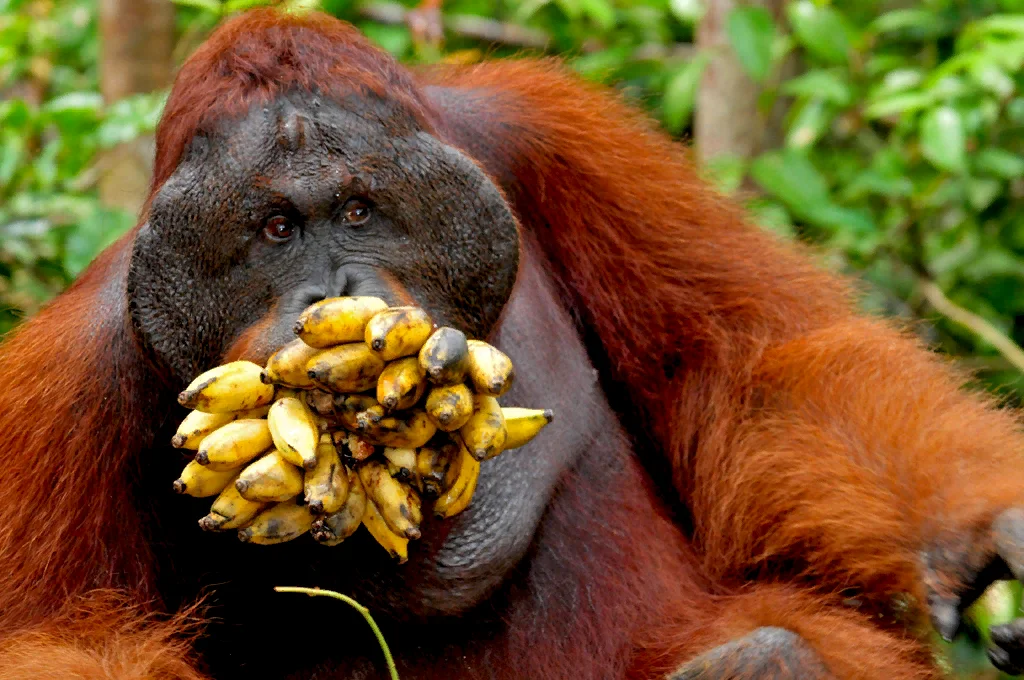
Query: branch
[{"x": 1010, "y": 350}]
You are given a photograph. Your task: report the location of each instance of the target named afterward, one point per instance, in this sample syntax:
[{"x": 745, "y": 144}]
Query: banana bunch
[{"x": 368, "y": 412}]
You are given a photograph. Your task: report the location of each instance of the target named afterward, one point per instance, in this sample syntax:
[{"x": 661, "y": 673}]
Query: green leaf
[
  {"x": 751, "y": 33},
  {"x": 898, "y": 104},
  {"x": 921, "y": 23},
  {"x": 687, "y": 11},
  {"x": 681, "y": 93},
  {"x": 943, "y": 141},
  {"x": 212, "y": 6},
  {"x": 809, "y": 123},
  {"x": 726, "y": 172},
  {"x": 829, "y": 86},
  {"x": 601, "y": 11},
  {"x": 981, "y": 192},
  {"x": 1000, "y": 163},
  {"x": 792, "y": 178},
  {"x": 820, "y": 30}
]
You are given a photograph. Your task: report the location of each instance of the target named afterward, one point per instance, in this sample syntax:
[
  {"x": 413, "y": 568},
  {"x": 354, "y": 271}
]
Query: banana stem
[{"x": 313, "y": 592}]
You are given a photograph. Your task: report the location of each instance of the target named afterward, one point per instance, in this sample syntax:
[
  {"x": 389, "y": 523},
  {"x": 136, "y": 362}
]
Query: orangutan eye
[
  {"x": 356, "y": 212},
  {"x": 278, "y": 229}
]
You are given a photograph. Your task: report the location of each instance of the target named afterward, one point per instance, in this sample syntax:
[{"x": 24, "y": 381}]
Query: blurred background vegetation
[{"x": 889, "y": 134}]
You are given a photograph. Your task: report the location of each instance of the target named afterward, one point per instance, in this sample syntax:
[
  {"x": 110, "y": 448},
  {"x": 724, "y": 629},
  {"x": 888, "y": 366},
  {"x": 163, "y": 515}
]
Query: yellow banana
[
  {"x": 457, "y": 498},
  {"x": 271, "y": 479},
  {"x": 278, "y": 523},
  {"x": 334, "y": 528},
  {"x": 235, "y": 386},
  {"x": 397, "y": 545},
  {"x": 484, "y": 434},
  {"x": 230, "y": 511},
  {"x": 398, "y": 504},
  {"x": 523, "y": 424},
  {"x": 490, "y": 369},
  {"x": 287, "y": 366},
  {"x": 368, "y": 420},
  {"x": 398, "y": 332},
  {"x": 444, "y": 357},
  {"x": 326, "y": 485},
  {"x": 449, "y": 406},
  {"x": 294, "y": 431},
  {"x": 335, "y": 321},
  {"x": 235, "y": 444},
  {"x": 432, "y": 465},
  {"x": 349, "y": 406},
  {"x": 346, "y": 368},
  {"x": 401, "y": 384},
  {"x": 196, "y": 426},
  {"x": 200, "y": 481},
  {"x": 402, "y": 464},
  {"x": 410, "y": 430}
]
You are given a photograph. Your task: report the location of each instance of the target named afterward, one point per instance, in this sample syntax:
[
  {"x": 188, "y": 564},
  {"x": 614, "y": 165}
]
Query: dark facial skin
[{"x": 305, "y": 199}]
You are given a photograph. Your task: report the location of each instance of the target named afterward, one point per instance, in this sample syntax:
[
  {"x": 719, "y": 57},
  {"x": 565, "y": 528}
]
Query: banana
[
  {"x": 326, "y": 485},
  {"x": 294, "y": 431},
  {"x": 402, "y": 465},
  {"x": 349, "y": 406},
  {"x": 277, "y": 524},
  {"x": 444, "y": 357},
  {"x": 398, "y": 504},
  {"x": 230, "y": 511},
  {"x": 346, "y": 368},
  {"x": 397, "y": 545},
  {"x": 484, "y": 434},
  {"x": 432, "y": 465},
  {"x": 335, "y": 321},
  {"x": 401, "y": 384},
  {"x": 457, "y": 498},
  {"x": 197, "y": 426},
  {"x": 398, "y": 332},
  {"x": 490, "y": 369},
  {"x": 368, "y": 420},
  {"x": 271, "y": 479},
  {"x": 449, "y": 406},
  {"x": 235, "y": 386},
  {"x": 410, "y": 430},
  {"x": 200, "y": 481},
  {"x": 523, "y": 424},
  {"x": 235, "y": 444},
  {"x": 287, "y": 366},
  {"x": 334, "y": 528}
]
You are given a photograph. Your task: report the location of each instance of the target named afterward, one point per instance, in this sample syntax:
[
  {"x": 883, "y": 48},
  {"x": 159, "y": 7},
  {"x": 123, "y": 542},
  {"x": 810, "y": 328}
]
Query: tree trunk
[
  {"x": 726, "y": 118},
  {"x": 136, "y": 46}
]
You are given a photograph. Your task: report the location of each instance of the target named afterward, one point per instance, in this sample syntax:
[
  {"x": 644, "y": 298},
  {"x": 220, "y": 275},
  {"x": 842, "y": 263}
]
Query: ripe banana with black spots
[
  {"x": 490, "y": 369},
  {"x": 432, "y": 464},
  {"x": 235, "y": 386},
  {"x": 270, "y": 479},
  {"x": 326, "y": 485},
  {"x": 346, "y": 368},
  {"x": 397, "y": 545},
  {"x": 230, "y": 511},
  {"x": 398, "y": 332},
  {"x": 402, "y": 465},
  {"x": 410, "y": 429},
  {"x": 523, "y": 424},
  {"x": 336, "y": 321},
  {"x": 401, "y": 384},
  {"x": 484, "y": 434},
  {"x": 294, "y": 431},
  {"x": 449, "y": 406},
  {"x": 281, "y": 522},
  {"x": 235, "y": 444},
  {"x": 287, "y": 366},
  {"x": 398, "y": 504},
  {"x": 334, "y": 528},
  {"x": 198, "y": 425},
  {"x": 200, "y": 481},
  {"x": 444, "y": 357},
  {"x": 460, "y": 493}
]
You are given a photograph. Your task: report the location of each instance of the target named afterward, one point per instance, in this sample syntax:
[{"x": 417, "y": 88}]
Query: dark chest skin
[{"x": 483, "y": 566}]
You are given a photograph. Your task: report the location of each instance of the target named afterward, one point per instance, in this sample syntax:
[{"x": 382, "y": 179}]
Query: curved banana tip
[
  {"x": 245, "y": 535},
  {"x": 210, "y": 523},
  {"x": 549, "y": 415},
  {"x": 298, "y": 326},
  {"x": 178, "y": 440},
  {"x": 264, "y": 378},
  {"x": 241, "y": 486},
  {"x": 202, "y": 458},
  {"x": 316, "y": 507},
  {"x": 179, "y": 486},
  {"x": 378, "y": 344},
  {"x": 413, "y": 534},
  {"x": 184, "y": 398}
]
